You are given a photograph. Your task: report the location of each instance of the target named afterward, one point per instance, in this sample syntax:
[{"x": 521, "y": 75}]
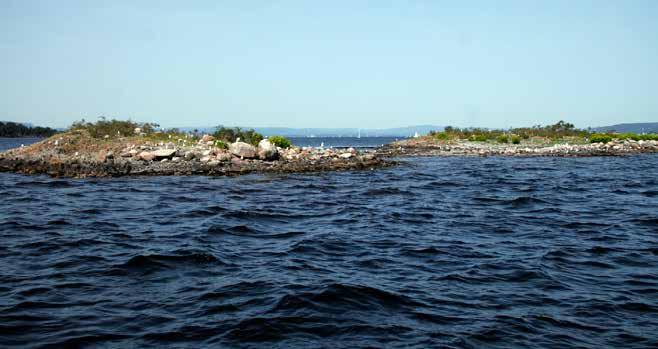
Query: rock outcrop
[
  {"x": 243, "y": 150},
  {"x": 73, "y": 156},
  {"x": 267, "y": 150}
]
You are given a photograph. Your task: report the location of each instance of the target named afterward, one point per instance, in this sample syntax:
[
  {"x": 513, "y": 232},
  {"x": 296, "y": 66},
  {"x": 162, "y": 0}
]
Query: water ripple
[{"x": 451, "y": 252}]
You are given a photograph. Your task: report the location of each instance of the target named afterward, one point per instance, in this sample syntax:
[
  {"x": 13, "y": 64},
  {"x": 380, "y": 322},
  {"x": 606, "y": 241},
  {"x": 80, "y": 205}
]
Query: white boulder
[{"x": 243, "y": 150}]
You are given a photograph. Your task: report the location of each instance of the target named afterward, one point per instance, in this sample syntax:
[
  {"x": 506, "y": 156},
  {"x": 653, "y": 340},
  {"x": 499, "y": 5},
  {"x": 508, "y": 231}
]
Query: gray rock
[
  {"x": 164, "y": 153},
  {"x": 243, "y": 150},
  {"x": 190, "y": 155},
  {"x": 267, "y": 150},
  {"x": 224, "y": 156},
  {"x": 146, "y": 156}
]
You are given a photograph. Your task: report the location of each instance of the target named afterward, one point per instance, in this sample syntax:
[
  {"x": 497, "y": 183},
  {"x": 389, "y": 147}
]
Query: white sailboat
[{"x": 416, "y": 135}]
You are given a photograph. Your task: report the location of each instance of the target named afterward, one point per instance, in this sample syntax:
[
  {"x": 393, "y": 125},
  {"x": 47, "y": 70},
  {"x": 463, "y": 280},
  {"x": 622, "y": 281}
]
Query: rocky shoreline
[
  {"x": 78, "y": 157},
  {"x": 430, "y": 147}
]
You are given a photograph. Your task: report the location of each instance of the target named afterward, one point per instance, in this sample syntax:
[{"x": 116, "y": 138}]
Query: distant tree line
[{"x": 14, "y": 129}]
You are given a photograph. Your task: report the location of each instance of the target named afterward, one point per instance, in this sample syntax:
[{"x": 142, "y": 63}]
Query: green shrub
[
  {"x": 624, "y": 136},
  {"x": 112, "y": 128},
  {"x": 221, "y": 144},
  {"x": 600, "y": 138},
  {"x": 442, "y": 136},
  {"x": 502, "y": 139},
  {"x": 649, "y": 137},
  {"x": 230, "y": 135},
  {"x": 280, "y": 141},
  {"x": 516, "y": 139}
]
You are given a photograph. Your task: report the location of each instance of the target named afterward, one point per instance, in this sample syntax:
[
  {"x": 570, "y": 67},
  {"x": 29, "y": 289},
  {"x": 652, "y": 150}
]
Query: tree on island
[{"x": 14, "y": 129}]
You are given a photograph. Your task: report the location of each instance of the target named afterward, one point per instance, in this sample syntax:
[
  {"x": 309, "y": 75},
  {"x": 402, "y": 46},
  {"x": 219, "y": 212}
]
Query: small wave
[
  {"x": 342, "y": 297},
  {"x": 247, "y": 231},
  {"x": 88, "y": 340},
  {"x": 238, "y": 289},
  {"x": 521, "y": 201},
  {"x": 203, "y": 212},
  {"x": 46, "y": 184},
  {"x": 160, "y": 261},
  {"x": 386, "y": 192},
  {"x": 262, "y": 329}
]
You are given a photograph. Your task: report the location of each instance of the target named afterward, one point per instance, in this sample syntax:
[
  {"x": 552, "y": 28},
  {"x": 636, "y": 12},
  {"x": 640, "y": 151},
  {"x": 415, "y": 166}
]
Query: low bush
[
  {"x": 442, "y": 136},
  {"x": 230, "y": 135},
  {"x": 280, "y": 141},
  {"x": 221, "y": 144},
  {"x": 600, "y": 138},
  {"x": 556, "y": 131},
  {"x": 624, "y": 136},
  {"x": 516, "y": 139},
  {"x": 637, "y": 137},
  {"x": 502, "y": 139},
  {"x": 112, "y": 128}
]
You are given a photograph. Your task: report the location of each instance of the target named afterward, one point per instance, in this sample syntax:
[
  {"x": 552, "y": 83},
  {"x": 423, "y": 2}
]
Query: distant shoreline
[{"x": 427, "y": 146}]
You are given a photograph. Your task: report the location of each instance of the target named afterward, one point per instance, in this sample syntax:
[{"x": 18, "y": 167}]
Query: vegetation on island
[
  {"x": 280, "y": 141},
  {"x": 561, "y": 131},
  {"x": 14, "y": 129},
  {"x": 108, "y": 129},
  {"x": 231, "y": 134},
  {"x": 104, "y": 128}
]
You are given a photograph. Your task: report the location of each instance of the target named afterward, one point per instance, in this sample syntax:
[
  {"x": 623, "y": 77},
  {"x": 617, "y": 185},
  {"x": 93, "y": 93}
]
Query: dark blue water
[
  {"x": 438, "y": 252},
  {"x": 343, "y": 142}
]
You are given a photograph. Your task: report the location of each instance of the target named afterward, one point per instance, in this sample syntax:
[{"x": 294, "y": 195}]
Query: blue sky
[{"x": 371, "y": 64}]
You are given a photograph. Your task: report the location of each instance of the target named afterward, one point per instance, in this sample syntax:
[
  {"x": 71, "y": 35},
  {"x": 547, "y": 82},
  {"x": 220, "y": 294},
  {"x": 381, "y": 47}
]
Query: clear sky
[{"x": 371, "y": 64}]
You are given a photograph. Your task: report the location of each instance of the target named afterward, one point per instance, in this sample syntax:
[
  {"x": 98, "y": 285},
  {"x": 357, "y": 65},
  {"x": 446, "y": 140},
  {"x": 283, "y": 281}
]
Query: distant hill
[
  {"x": 334, "y": 132},
  {"x": 644, "y": 127}
]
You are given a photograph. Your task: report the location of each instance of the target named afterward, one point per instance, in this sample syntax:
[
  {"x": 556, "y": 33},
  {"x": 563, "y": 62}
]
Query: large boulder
[
  {"x": 223, "y": 156},
  {"x": 243, "y": 150},
  {"x": 207, "y": 138},
  {"x": 146, "y": 156},
  {"x": 164, "y": 153},
  {"x": 267, "y": 150}
]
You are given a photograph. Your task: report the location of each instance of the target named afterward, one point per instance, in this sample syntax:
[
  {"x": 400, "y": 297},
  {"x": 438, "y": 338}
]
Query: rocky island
[
  {"x": 558, "y": 140},
  {"x": 120, "y": 148},
  {"x": 111, "y": 148},
  {"x": 426, "y": 146}
]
